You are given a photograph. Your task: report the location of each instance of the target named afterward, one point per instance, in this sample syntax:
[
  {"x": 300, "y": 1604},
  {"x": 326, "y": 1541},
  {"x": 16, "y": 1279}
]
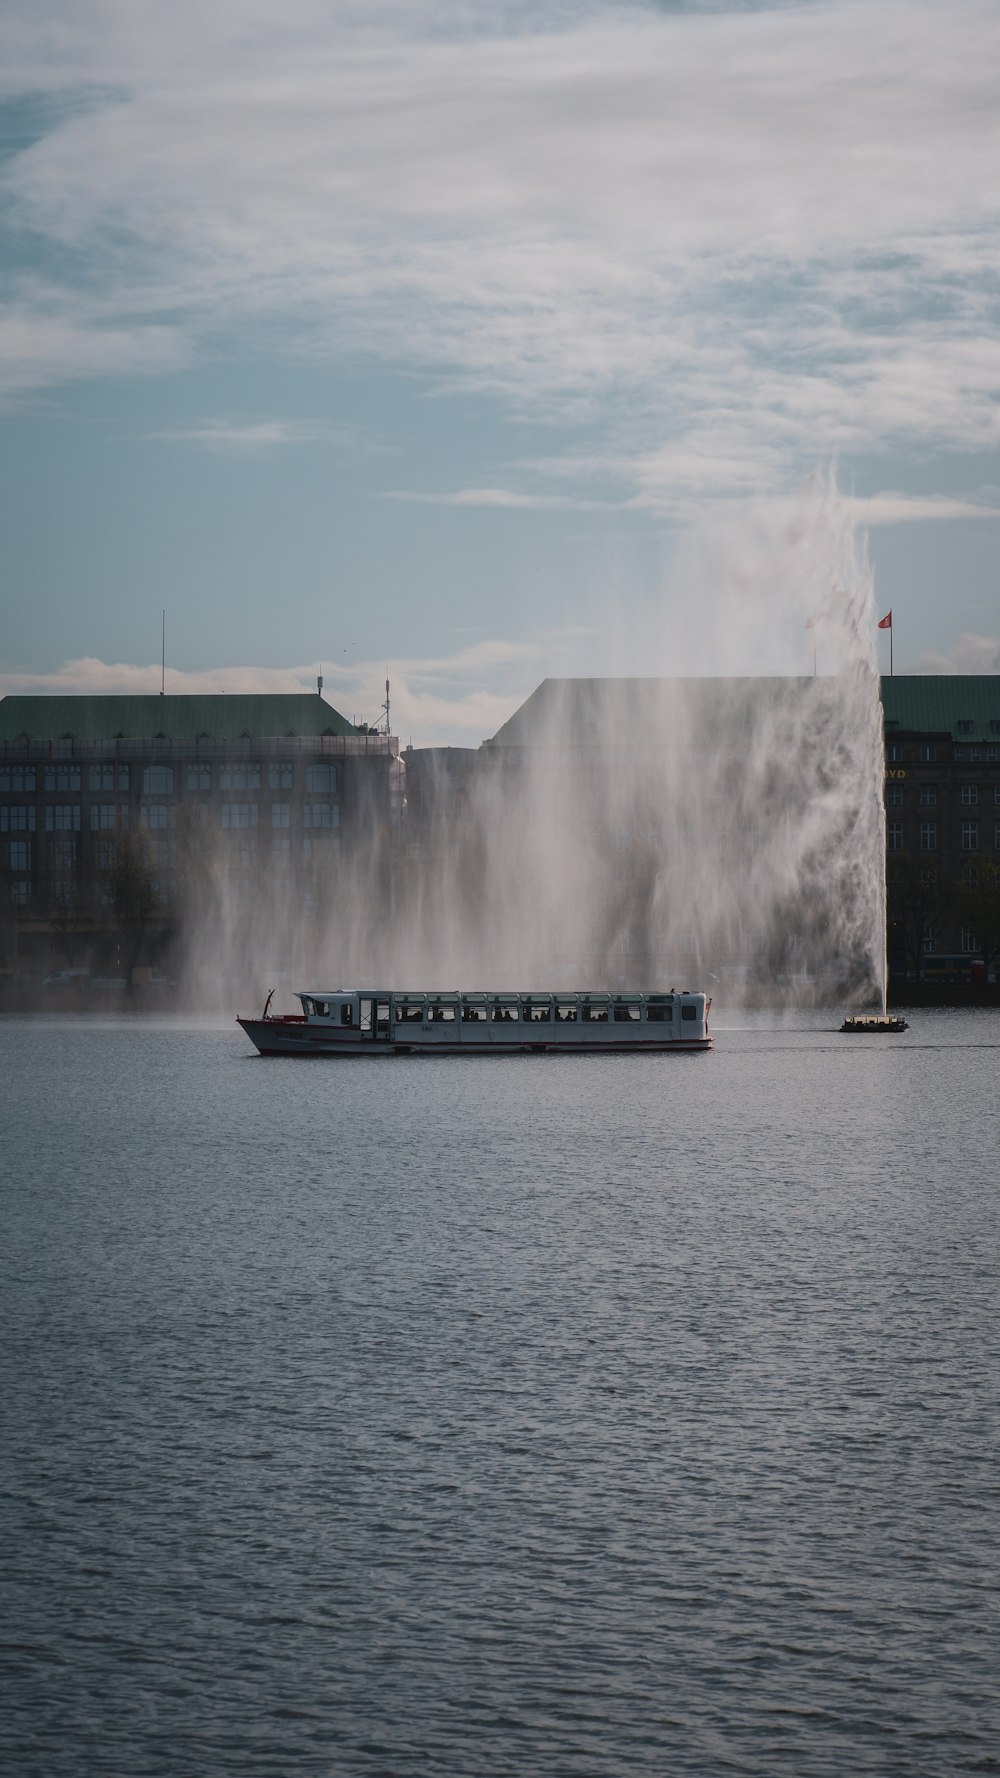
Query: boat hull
[{"x": 280, "y": 1037}]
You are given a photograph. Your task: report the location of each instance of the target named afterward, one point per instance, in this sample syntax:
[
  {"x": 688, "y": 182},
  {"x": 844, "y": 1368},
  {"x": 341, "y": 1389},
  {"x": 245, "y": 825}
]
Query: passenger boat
[{"x": 370, "y": 1022}]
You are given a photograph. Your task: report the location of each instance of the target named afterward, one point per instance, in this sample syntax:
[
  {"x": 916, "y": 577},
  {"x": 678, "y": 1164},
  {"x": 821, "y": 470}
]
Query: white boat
[{"x": 370, "y": 1022}]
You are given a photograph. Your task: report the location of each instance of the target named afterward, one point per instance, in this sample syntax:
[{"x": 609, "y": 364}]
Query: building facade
[
  {"x": 125, "y": 811},
  {"x": 942, "y": 814}
]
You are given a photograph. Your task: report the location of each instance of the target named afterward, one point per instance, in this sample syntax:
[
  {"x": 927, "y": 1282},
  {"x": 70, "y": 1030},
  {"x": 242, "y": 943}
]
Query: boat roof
[{"x": 497, "y": 993}]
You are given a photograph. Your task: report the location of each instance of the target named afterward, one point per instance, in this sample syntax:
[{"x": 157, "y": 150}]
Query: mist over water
[{"x": 718, "y": 826}]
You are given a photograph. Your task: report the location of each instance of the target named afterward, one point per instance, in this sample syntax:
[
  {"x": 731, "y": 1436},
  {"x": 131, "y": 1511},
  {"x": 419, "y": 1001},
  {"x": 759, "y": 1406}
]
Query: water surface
[{"x": 567, "y": 1416}]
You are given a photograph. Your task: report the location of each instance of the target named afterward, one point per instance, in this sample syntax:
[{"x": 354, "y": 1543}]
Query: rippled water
[{"x": 506, "y": 1416}]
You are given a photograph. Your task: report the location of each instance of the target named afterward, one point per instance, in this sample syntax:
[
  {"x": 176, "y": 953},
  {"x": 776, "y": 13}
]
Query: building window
[
  {"x": 928, "y": 797},
  {"x": 928, "y": 836},
  {"x": 19, "y": 854},
  {"x": 241, "y": 774},
  {"x": 158, "y": 781},
  {"x": 970, "y": 941},
  {"x": 102, "y": 777},
  {"x": 321, "y": 778},
  {"x": 17, "y": 778},
  {"x": 200, "y": 776},
  {"x": 894, "y": 796},
  {"x": 894, "y": 753},
  {"x": 996, "y": 836},
  {"x": 102, "y": 817},
  {"x": 104, "y": 854},
  {"x": 894, "y": 836},
  {"x": 930, "y": 938},
  {"x": 62, "y": 818},
  {"x": 964, "y": 727},
  {"x": 279, "y": 775},
  {"x": 281, "y": 848},
  {"x": 970, "y": 836},
  {"x": 279, "y": 814},
  {"x": 996, "y": 793},
  {"x": 62, "y": 777},
  {"x": 17, "y": 818},
  {"x": 123, "y": 777},
  {"x": 156, "y": 816},
  {"x": 239, "y": 815},
  {"x": 927, "y": 753},
  {"x": 19, "y": 893},
  {"x": 970, "y": 795},
  {"x": 321, "y": 815}
]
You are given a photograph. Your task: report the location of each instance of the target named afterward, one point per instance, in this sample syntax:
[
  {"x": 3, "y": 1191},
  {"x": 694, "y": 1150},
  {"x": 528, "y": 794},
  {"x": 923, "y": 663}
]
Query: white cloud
[
  {"x": 253, "y": 438},
  {"x": 43, "y": 342},
  {"x": 967, "y": 654},
  {"x": 457, "y": 699},
  {"x": 501, "y": 497},
  {"x": 739, "y": 238}
]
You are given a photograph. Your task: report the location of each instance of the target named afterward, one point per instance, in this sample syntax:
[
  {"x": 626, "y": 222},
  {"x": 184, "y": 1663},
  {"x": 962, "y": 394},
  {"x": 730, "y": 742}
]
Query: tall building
[
  {"x": 118, "y": 812},
  {"x": 942, "y": 810}
]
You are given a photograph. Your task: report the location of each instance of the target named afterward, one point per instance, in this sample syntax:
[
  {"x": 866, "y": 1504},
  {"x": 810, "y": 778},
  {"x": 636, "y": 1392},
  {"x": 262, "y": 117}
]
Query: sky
[{"x": 422, "y": 338}]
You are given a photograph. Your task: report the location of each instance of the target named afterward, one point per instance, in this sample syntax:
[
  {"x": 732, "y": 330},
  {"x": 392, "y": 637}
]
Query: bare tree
[
  {"x": 978, "y": 906},
  {"x": 918, "y": 900},
  {"x": 130, "y": 880}
]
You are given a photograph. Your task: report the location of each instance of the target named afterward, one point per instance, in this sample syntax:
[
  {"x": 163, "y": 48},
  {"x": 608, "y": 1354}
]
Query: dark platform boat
[{"x": 874, "y": 1022}]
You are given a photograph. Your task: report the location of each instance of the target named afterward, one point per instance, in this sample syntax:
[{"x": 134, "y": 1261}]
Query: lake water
[{"x": 566, "y": 1416}]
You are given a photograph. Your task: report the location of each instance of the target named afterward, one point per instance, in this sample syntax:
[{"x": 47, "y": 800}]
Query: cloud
[
  {"x": 735, "y": 239},
  {"x": 457, "y": 699},
  {"x": 501, "y": 497},
  {"x": 44, "y": 340},
  {"x": 967, "y": 654},
  {"x": 253, "y": 438}
]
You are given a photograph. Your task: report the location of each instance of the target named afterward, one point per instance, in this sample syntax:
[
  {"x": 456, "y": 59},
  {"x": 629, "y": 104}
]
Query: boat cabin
[{"x": 497, "y": 1018}]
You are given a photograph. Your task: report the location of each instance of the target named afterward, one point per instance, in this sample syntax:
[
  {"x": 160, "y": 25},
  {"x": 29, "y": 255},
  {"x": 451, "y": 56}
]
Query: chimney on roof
[{"x": 319, "y": 682}]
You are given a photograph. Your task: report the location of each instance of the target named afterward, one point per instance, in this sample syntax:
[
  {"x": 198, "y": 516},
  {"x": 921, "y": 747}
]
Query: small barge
[
  {"x": 868, "y": 1022},
  {"x": 370, "y": 1022}
]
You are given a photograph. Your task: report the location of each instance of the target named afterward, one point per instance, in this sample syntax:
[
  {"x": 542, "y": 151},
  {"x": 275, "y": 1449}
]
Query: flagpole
[{"x": 890, "y": 651}]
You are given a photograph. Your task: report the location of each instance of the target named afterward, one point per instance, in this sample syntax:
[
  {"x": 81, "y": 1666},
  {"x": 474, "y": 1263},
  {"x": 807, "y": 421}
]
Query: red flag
[{"x": 885, "y": 623}]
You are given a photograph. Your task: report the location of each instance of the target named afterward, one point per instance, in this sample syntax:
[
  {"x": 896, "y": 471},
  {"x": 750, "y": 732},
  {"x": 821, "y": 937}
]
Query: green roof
[
  {"x": 220, "y": 716},
  {"x": 622, "y": 712},
  {"x": 942, "y": 703},
  {"x": 616, "y": 712}
]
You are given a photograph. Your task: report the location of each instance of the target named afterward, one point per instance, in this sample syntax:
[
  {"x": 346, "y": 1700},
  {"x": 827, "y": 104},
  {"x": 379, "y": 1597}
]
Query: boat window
[
  {"x": 473, "y": 1012},
  {"x": 689, "y": 1012},
  {"x": 504, "y": 1011},
  {"x": 537, "y": 1011},
  {"x": 382, "y": 1014},
  {"x": 321, "y": 1008},
  {"x": 565, "y": 1011},
  {"x": 438, "y": 1012},
  {"x": 625, "y": 1015},
  {"x": 659, "y": 1008},
  {"x": 409, "y": 1012},
  {"x": 594, "y": 1011},
  {"x": 347, "y": 1013}
]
